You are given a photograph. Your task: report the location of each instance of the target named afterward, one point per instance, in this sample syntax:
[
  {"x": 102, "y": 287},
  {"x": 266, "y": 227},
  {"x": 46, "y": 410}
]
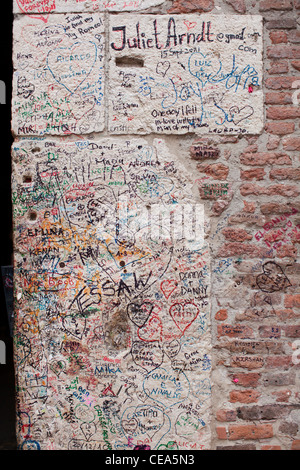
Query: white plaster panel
[
  {"x": 58, "y": 83},
  {"x": 185, "y": 73},
  {"x": 112, "y": 313}
]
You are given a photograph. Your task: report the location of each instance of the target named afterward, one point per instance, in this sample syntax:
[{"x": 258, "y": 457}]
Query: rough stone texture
[{"x": 73, "y": 327}]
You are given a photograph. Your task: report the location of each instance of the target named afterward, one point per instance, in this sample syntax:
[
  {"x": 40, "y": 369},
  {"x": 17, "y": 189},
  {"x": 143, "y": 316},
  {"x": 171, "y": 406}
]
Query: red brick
[
  {"x": 275, "y": 190},
  {"x": 291, "y": 143},
  {"x": 275, "y": 208},
  {"x": 235, "y": 331},
  {"x": 296, "y": 64},
  {"x": 278, "y": 67},
  {"x": 266, "y": 5},
  {"x": 221, "y": 315},
  {"x": 280, "y": 128},
  {"x": 282, "y": 23},
  {"x": 282, "y": 396},
  {"x": 283, "y": 112},
  {"x": 244, "y": 396},
  {"x": 296, "y": 445},
  {"x": 294, "y": 36},
  {"x": 187, "y": 6},
  {"x": 269, "y": 331},
  {"x": 254, "y": 174},
  {"x": 278, "y": 37},
  {"x": 216, "y": 170},
  {"x": 285, "y": 174},
  {"x": 250, "y": 431},
  {"x": 236, "y": 234},
  {"x": 249, "y": 206},
  {"x": 226, "y": 415},
  {"x": 278, "y": 97},
  {"x": 265, "y": 158},
  {"x": 221, "y": 432},
  {"x": 292, "y": 331},
  {"x": 238, "y": 5},
  {"x": 246, "y": 379},
  {"x": 292, "y": 300},
  {"x": 279, "y": 362},
  {"x": 270, "y": 447},
  {"x": 247, "y": 362},
  {"x": 237, "y": 249},
  {"x": 286, "y": 251},
  {"x": 283, "y": 51},
  {"x": 280, "y": 83}
]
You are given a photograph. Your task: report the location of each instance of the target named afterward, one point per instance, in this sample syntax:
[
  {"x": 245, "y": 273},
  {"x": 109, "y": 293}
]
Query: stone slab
[
  {"x": 112, "y": 312},
  {"x": 59, "y": 79},
  {"x": 185, "y": 73}
]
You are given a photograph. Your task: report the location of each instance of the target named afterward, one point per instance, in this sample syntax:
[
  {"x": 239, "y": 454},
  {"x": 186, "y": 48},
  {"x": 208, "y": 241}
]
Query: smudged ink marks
[
  {"x": 185, "y": 74},
  {"x": 111, "y": 296},
  {"x": 58, "y": 83},
  {"x": 81, "y": 6}
]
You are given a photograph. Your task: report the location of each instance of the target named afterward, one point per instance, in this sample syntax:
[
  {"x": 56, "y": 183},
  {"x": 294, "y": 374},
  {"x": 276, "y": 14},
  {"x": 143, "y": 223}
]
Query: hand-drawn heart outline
[
  {"x": 273, "y": 278},
  {"x": 43, "y": 18},
  {"x": 76, "y": 44},
  {"x": 141, "y": 319},
  {"x": 236, "y": 110},
  {"x": 168, "y": 286},
  {"x": 190, "y": 24},
  {"x": 162, "y": 67},
  {"x": 183, "y": 306}
]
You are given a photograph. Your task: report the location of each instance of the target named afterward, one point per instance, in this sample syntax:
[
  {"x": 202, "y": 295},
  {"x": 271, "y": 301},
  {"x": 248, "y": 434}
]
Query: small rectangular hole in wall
[{"x": 129, "y": 62}]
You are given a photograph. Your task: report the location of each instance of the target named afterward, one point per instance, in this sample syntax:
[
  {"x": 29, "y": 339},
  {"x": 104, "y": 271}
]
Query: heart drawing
[
  {"x": 183, "y": 314},
  {"x": 273, "y": 278},
  {"x": 71, "y": 66},
  {"x": 31, "y": 7},
  {"x": 168, "y": 286}
]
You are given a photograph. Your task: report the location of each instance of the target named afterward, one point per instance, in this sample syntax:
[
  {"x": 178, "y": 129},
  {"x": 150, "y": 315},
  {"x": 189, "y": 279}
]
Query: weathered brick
[
  {"x": 221, "y": 432},
  {"x": 296, "y": 445},
  {"x": 270, "y": 447},
  {"x": 292, "y": 300},
  {"x": 278, "y": 189},
  {"x": 279, "y": 362},
  {"x": 285, "y": 174},
  {"x": 282, "y": 396},
  {"x": 267, "y": 412},
  {"x": 238, "y": 5},
  {"x": 278, "y": 37},
  {"x": 187, "y": 6},
  {"x": 266, "y": 5},
  {"x": 221, "y": 315},
  {"x": 244, "y": 396},
  {"x": 283, "y": 112},
  {"x": 247, "y": 362},
  {"x": 269, "y": 331},
  {"x": 236, "y": 234},
  {"x": 265, "y": 158},
  {"x": 291, "y": 143},
  {"x": 237, "y": 248},
  {"x": 289, "y": 429},
  {"x": 278, "y": 379},
  {"x": 275, "y": 208},
  {"x": 280, "y": 83},
  {"x": 282, "y": 23},
  {"x": 280, "y": 128},
  {"x": 246, "y": 379},
  {"x": 216, "y": 170},
  {"x": 278, "y": 67},
  {"x": 296, "y": 64},
  {"x": 253, "y": 174},
  {"x": 237, "y": 447},
  {"x": 226, "y": 415},
  {"x": 292, "y": 331},
  {"x": 278, "y": 97},
  {"x": 250, "y": 431}
]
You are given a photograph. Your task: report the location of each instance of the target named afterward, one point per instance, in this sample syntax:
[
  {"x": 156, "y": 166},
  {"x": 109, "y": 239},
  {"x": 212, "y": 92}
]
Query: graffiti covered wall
[{"x": 152, "y": 258}]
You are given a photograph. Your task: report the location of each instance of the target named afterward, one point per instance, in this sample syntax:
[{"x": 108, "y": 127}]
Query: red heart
[
  {"x": 168, "y": 286},
  {"x": 34, "y": 7},
  {"x": 183, "y": 314},
  {"x": 190, "y": 24}
]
